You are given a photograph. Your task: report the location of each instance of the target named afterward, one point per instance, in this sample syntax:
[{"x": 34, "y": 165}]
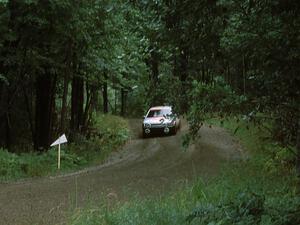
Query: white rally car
[{"x": 160, "y": 119}]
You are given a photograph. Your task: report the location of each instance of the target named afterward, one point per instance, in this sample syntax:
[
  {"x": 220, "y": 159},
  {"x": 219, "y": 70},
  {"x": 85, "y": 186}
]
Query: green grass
[
  {"x": 246, "y": 192},
  {"x": 107, "y": 134},
  {"x": 264, "y": 153}
]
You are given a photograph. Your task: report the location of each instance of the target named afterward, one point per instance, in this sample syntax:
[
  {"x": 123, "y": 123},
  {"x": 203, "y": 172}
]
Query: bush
[
  {"x": 246, "y": 208},
  {"x": 279, "y": 158},
  {"x": 9, "y": 165},
  {"x": 249, "y": 208},
  {"x": 106, "y": 133},
  {"x": 209, "y": 100},
  {"x": 13, "y": 166},
  {"x": 109, "y": 132},
  {"x": 243, "y": 207}
]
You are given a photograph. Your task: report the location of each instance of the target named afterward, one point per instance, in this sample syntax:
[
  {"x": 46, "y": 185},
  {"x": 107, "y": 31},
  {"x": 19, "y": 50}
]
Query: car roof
[{"x": 160, "y": 107}]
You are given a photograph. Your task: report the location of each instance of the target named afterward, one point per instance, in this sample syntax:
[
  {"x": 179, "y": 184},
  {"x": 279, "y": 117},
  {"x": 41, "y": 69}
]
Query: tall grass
[
  {"x": 108, "y": 133},
  {"x": 246, "y": 192}
]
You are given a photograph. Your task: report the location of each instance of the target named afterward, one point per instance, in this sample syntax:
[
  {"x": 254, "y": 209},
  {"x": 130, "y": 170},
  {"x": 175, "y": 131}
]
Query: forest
[
  {"x": 63, "y": 61},
  {"x": 84, "y": 68}
]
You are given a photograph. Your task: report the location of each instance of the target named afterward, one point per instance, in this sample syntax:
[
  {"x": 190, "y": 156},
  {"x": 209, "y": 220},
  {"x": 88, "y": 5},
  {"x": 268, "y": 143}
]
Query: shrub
[
  {"x": 246, "y": 208},
  {"x": 109, "y": 132},
  {"x": 13, "y": 166},
  {"x": 250, "y": 208},
  {"x": 209, "y": 100},
  {"x": 9, "y": 165}
]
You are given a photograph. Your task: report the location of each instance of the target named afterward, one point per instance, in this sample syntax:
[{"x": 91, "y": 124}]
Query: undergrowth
[
  {"x": 107, "y": 133},
  {"x": 245, "y": 193}
]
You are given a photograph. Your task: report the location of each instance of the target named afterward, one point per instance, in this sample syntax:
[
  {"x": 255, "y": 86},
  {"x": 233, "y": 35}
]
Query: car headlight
[
  {"x": 173, "y": 123},
  {"x": 147, "y": 125}
]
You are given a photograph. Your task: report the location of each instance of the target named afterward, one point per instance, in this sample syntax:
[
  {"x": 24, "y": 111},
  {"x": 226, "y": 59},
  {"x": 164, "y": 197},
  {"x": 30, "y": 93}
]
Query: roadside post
[{"x": 62, "y": 139}]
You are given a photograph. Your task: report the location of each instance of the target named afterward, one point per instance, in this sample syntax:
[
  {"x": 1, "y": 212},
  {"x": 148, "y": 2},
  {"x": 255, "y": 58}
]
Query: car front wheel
[
  {"x": 145, "y": 134},
  {"x": 173, "y": 130}
]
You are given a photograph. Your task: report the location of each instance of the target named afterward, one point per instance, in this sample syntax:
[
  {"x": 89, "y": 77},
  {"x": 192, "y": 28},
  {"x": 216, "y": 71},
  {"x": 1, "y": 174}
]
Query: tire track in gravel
[{"x": 143, "y": 167}]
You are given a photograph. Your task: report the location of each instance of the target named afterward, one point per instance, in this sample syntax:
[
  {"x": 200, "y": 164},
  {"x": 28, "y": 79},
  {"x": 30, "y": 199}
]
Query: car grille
[{"x": 157, "y": 125}]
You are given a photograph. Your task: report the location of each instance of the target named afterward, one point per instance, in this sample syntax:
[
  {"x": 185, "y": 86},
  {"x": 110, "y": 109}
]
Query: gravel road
[{"x": 143, "y": 167}]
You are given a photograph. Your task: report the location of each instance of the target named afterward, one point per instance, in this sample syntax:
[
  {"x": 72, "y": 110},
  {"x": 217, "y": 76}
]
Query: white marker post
[{"x": 62, "y": 139}]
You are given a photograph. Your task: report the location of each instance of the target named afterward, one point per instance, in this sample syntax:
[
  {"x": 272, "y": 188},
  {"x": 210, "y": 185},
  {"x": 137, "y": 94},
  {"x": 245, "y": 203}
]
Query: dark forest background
[{"x": 63, "y": 61}]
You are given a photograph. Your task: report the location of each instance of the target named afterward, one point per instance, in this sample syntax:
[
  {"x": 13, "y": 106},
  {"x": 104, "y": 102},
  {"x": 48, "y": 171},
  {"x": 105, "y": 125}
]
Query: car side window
[{"x": 152, "y": 113}]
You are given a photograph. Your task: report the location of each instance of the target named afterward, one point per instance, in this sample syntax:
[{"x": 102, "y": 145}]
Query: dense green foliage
[
  {"x": 109, "y": 133},
  {"x": 56, "y": 59},
  {"x": 247, "y": 192},
  {"x": 63, "y": 61},
  {"x": 208, "y": 101}
]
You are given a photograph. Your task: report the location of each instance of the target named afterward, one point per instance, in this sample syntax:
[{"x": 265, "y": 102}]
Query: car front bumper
[{"x": 166, "y": 129}]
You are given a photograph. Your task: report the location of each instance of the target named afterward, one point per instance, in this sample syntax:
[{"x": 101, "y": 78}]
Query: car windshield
[{"x": 159, "y": 112}]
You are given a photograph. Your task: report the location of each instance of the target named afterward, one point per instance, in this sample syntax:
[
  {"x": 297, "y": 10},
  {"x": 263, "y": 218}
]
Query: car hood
[{"x": 157, "y": 120}]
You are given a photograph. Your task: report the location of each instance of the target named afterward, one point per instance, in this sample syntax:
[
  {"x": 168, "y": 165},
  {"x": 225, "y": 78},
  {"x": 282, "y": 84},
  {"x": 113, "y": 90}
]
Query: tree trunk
[
  {"x": 104, "y": 94},
  {"x": 88, "y": 103},
  {"x": 76, "y": 104},
  {"x": 116, "y": 102},
  {"x": 95, "y": 99},
  {"x": 183, "y": 60},
  {"x": 154, "y": 67},
  {"x": 1, "y": 93},
  {"x": 244, "y": 76},
  {"x": 2, "y": 121},
  {"x": 63, "y": 112},
  {"x": 7, "y": 131},
  {"x": 28, "y": 102},
  {"x": 123, "y": 102},
  {"x": 5, "y": 119},
  {"x": 45, "y": 85},
  {"x": 67, "y": 75},
  {"x": 228, "y": 74},
  {"x": 202, "y": 73},
  {"x": 298, "y": 151},
  {"x": 175, "y": 66}
]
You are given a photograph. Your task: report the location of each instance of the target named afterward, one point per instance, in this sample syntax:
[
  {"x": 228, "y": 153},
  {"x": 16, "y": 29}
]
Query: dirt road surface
[{"x": 143, "y": 167}]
